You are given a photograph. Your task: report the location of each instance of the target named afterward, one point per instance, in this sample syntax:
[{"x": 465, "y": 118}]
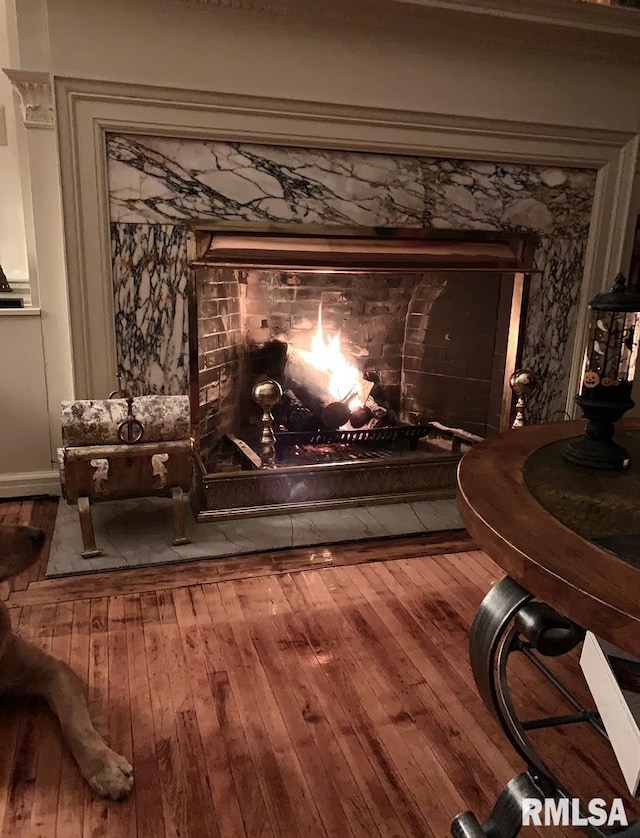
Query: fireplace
[{"x": 393, "y": 349}]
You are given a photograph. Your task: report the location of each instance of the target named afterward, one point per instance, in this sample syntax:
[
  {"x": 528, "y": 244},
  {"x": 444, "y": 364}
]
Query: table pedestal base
[{"x": 510, "y": 621}]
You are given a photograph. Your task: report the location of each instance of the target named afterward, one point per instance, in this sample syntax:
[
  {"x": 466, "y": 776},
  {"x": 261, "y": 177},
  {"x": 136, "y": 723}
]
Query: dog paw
[{"x": 112, "y": 776}]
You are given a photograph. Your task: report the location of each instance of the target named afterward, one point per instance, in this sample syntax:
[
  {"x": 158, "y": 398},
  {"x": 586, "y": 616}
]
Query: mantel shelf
[
  {"x": 577, "y": 14},
  {"x": 573, "y": 14}
]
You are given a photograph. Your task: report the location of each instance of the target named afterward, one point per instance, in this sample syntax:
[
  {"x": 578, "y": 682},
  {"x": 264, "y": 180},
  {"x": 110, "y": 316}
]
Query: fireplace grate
[
  {"x": 390, "y": 433},
  {"x": 385, "y": 434}
]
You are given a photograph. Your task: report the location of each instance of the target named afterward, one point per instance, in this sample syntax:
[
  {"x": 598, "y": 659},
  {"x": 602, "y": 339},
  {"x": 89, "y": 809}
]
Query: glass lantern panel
[
  {"x": 611, "y": 354},
  {"x": 630, "y": 342}
]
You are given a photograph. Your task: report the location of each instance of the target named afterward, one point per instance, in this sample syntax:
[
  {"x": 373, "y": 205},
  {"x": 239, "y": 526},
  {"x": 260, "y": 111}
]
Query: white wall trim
[
  {"x": 623, "y": 232},
  {"x": 562, "y": 13},
  {"x": 88, "y": 109},
  {"x": 36, "y": 97},
  {"x": 27, "y": 311},
  {"x": 609, "y": 245},
  {"x": 569, "y": 13},
  {"x": 127, "y": 106},
  {"x": 29, "y": 483}
]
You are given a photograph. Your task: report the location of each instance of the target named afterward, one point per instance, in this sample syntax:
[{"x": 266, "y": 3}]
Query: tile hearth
[{"x": 137, "y": 533}]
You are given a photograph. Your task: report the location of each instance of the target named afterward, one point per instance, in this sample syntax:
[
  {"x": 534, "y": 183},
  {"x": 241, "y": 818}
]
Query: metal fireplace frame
[{"x": 333, "y": 485}]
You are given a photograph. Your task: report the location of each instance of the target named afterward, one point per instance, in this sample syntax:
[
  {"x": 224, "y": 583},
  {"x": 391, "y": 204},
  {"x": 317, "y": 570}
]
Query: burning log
[
  {"x": 291, "y": 413},
  {"x": 335, "y": 414},
  {"x": 371, "y": 415},
  {"x": 381, "y": 413},
  {"x": 360, "y": 416},
  {"x": 311, "y": 386}
]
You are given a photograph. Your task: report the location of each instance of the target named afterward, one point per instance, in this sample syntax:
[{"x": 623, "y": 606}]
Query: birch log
[
  {"x": 95, "y": 421},
  {"x": 291, "y": 413}
]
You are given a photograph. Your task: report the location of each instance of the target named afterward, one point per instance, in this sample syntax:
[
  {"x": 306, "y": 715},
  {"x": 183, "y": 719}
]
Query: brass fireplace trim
[
  {"x": 519, "y": 245},
  {"x": 292, "y": 489},
  {"x": 318, "y": 247}
]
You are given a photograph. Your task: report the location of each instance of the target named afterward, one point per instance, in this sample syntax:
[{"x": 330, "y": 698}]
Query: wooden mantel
[{"x": 575, "y": 14}]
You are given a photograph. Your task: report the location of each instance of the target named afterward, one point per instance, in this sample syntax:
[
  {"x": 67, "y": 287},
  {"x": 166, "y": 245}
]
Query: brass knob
[
  {"x": 267, "y": 393},
  {"x": 524, "y": 382}
]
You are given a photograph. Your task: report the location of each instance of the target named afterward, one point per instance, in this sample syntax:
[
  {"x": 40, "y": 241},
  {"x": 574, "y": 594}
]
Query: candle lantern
[{"x": 607, "y": 377}]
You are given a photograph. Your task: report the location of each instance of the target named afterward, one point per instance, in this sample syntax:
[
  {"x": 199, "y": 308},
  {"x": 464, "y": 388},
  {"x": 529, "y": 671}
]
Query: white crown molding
[
  {"x": 575, "y": 14},
  {"x": 447, "y": 133},
  {"x": 36, "y": 97},
  {"x": 246, "y": 6}
]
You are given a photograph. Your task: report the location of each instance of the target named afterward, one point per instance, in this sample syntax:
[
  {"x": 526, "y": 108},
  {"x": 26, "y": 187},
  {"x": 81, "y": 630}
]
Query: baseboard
[{"x": 29, "y": 483}]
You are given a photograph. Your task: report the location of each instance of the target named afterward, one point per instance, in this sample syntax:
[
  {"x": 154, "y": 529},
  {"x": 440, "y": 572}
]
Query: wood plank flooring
[{"x": 328, "y": 701}]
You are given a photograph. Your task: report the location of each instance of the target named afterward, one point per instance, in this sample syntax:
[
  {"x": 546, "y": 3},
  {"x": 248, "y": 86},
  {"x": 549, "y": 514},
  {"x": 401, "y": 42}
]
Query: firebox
[{"x": 393, "y": 349}]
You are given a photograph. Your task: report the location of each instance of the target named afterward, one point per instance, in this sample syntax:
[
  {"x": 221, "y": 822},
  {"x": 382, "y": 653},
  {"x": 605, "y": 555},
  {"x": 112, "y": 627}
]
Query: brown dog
[{"x": 27, "y": 670}]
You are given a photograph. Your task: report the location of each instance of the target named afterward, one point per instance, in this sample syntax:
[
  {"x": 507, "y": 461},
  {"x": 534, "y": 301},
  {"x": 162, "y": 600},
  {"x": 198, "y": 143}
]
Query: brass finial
[
  {"x": 267, "y": 394},
  {"x": 523, "y": 383}
]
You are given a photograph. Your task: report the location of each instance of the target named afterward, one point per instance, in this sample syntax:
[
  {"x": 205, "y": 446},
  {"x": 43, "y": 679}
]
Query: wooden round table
[
  {"x": 590, "y": 585},
  {"x": 568, "y": 539}
]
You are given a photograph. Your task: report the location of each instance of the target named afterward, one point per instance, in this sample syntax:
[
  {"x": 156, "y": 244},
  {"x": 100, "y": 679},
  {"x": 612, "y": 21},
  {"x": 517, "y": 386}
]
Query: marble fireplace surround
[
  {"x": 143, "y": 161},
  {"x": 157, "y": 184}
]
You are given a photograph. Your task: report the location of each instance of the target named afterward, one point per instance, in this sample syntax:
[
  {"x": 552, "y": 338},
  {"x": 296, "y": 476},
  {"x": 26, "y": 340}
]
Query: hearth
[{"x": 393, "y": 349}]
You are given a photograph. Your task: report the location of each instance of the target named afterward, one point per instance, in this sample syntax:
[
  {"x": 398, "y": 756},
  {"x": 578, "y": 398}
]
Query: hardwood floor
[{"x": 335, "y": 701}]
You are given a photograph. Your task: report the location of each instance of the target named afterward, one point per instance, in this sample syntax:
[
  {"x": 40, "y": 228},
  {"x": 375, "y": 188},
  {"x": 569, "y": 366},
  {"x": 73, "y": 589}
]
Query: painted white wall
[
  {"x": 24, "y": 422},
  {"x": 440, "y": 62},
  {"x": 35, "y": 354},
  {"x": 24, "y": 441},
  {"x": 13, "y": 243}
]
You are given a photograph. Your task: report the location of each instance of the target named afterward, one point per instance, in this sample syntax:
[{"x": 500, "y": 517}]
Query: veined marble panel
[
  {"x": 150, "y": 293},
  {"x": 556, "y": 204},
  {"x": 469, "y": 195},
  {"x": 551, "y": 319},
  {"x": 157, "y": 183},
  {"x": 159, "y": 180}
]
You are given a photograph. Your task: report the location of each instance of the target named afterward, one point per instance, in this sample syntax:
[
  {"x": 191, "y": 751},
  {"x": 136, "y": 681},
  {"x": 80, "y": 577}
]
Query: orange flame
[{"x": 344, "y": 378}]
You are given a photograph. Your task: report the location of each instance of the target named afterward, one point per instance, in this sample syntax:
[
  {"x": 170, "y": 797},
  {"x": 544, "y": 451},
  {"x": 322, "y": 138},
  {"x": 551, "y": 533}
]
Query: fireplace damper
[{"x": 430, "y": 328}]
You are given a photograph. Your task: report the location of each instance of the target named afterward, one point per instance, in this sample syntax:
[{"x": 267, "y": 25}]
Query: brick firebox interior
[{"x": 434, "y": 341}]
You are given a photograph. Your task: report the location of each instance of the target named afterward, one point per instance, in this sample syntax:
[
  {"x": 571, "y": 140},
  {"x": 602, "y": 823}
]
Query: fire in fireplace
[{"x": 393, "y": 349}]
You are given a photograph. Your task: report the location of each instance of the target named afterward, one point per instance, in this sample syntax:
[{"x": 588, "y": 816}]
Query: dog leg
[{"x": 108, "y": 773}]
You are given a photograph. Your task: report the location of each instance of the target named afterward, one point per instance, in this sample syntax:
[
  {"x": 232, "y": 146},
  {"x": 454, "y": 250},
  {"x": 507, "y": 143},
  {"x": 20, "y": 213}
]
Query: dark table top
[{"x": 601, "y": 506}]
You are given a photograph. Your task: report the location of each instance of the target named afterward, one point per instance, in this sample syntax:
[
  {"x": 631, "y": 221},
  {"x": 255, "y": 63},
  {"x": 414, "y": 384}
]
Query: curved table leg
[{"x": 508, "y": 620}]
